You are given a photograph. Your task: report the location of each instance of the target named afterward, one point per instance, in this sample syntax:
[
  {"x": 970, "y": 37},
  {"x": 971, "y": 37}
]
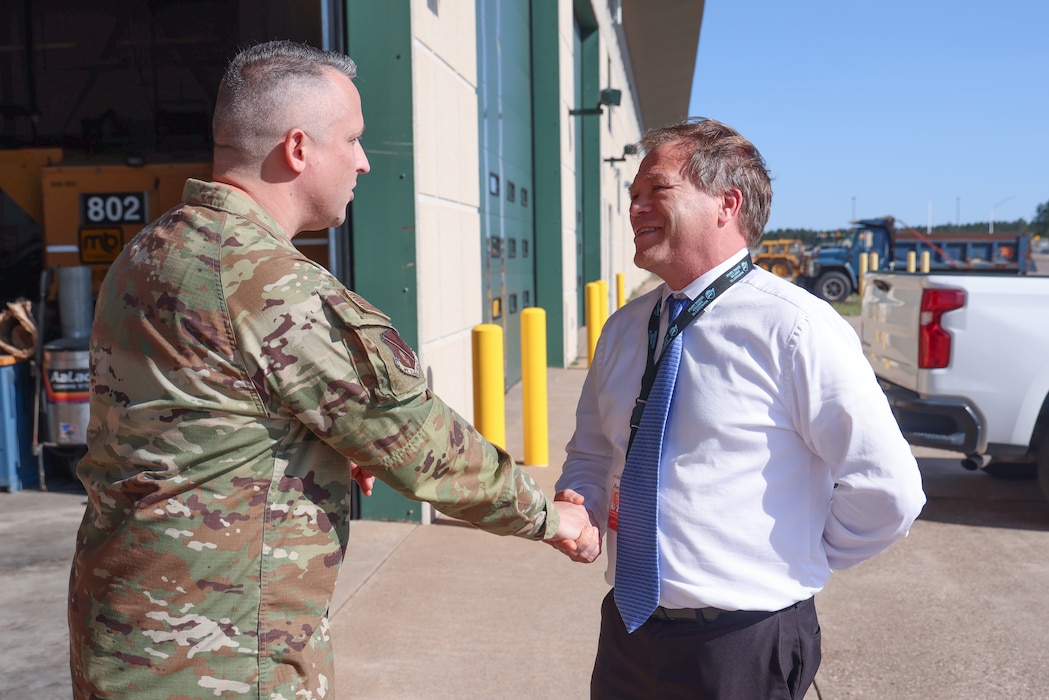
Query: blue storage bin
[{"x": 18, "y": 467}]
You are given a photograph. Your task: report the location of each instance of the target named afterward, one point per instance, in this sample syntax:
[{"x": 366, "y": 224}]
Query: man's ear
[
  {"x": 294, "y": 146},
  {"x": 731, "y": 204}
]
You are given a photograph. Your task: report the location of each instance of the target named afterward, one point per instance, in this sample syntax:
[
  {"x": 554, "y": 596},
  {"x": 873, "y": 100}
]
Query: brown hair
[{"x": 717, "y": 159}]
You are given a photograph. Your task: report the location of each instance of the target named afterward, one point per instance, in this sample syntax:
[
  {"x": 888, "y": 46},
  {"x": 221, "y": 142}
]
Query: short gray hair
[{"x": 261, "y": 93}]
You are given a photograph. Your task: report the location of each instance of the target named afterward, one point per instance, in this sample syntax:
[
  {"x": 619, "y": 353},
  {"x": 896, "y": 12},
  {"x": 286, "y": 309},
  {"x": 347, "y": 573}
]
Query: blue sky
[{"x": 884, "y": 107}]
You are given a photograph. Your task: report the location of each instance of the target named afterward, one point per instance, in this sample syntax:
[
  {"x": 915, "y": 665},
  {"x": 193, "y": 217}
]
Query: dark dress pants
[{"x": 738, "y": 656}]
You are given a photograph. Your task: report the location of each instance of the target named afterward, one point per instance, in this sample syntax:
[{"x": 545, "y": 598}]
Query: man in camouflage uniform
[{"x": 233, "y": 380}]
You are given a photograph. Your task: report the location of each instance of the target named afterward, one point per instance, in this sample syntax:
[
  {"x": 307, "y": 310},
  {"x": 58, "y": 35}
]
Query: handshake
[{"x": 578, "y": 536}]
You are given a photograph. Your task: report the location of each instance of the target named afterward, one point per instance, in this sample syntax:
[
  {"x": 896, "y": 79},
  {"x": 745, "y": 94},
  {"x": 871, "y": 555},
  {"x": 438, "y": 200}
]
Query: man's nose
[
  {"x": 638, "y": 204},
  {"x": 363, "y": 166}
]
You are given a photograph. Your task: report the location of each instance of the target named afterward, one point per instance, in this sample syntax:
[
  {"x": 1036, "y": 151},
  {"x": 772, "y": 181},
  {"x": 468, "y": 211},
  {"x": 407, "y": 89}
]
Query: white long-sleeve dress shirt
[{"x": 782, "y": 459}]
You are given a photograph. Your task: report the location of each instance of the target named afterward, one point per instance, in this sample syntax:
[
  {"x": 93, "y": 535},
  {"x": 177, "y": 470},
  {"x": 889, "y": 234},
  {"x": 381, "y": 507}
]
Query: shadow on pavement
[{"x": 962, "y": 497}]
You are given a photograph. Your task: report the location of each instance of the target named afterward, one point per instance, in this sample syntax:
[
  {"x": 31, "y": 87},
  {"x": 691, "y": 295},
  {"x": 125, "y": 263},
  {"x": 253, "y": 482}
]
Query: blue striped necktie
[{"x": 637, "y": 553}]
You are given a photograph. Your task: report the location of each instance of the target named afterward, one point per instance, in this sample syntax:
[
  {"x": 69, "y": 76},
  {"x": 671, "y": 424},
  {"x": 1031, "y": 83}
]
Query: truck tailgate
[
  {"x": 889, "y": 324},
  {"x": 995, "y": 340}
]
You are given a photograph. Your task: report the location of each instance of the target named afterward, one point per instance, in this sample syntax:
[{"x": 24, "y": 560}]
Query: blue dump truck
[{"x": 830, "y": 269}]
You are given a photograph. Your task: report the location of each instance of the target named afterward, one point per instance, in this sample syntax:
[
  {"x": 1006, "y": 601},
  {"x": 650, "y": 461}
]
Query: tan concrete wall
[
  {"x": 619, "y": 126},
  {"x": 447, "y": 189},
  {"x": 448, "y": 237}
]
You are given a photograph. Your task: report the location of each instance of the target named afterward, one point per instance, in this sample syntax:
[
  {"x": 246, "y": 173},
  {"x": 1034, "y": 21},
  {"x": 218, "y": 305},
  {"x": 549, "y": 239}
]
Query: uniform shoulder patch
[{"x": 404, "y": 357}]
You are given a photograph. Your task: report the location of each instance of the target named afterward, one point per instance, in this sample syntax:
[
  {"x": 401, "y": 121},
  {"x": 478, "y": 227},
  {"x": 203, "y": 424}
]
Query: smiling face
[{"x": 676, "y": 225}]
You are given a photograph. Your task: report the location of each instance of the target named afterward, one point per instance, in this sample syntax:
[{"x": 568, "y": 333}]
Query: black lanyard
[{"x": 689, "y": 314}]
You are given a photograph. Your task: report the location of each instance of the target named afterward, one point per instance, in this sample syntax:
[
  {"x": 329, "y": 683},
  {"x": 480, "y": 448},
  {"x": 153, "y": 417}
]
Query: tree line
[{"x": 1038, "y": 226}]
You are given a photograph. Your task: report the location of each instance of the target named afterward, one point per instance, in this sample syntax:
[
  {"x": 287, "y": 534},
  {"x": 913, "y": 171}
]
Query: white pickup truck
[{"x": 963, "y": 361}]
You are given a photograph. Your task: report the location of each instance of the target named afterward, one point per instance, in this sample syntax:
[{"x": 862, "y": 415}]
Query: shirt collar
[
  {"x": 224, "y": 198},
  {"x": 693, "y": 288}
]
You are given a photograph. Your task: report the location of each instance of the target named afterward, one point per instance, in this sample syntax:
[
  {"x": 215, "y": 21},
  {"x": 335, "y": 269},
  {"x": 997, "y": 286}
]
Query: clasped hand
[
  {"x": 365, "y": 480},
  {"x": 578, "y": 536}
]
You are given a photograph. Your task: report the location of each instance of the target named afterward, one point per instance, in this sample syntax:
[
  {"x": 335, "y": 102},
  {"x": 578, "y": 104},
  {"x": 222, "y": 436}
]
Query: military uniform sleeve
[{"x": 340, "y": 368}]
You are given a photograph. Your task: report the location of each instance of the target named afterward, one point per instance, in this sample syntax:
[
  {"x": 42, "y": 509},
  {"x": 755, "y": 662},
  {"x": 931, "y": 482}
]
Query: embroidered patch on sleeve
[{"x": 403, "y": 356}]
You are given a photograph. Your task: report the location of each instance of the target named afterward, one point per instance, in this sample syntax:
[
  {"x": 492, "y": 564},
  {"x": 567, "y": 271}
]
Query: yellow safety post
[
  {"x": 593, "y": 320},
  {"x": 912, "y": 261},
  {"x": 620, "y": 290},
  {"x": 864, "y": 266},
  {"x": 533, "y": 386},
  {"x": 489, "y": 389},
  {"x": 604, "y": 301},
  {"x": 926, "y": 260},
  {"x": 874, "y": 261}
]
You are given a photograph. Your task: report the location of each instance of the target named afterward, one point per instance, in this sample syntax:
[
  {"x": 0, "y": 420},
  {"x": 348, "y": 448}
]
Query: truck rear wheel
[{"x": 833, "y": 286}]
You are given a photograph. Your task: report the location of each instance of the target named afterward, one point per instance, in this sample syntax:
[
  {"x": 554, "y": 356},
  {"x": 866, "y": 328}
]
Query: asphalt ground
[{"x": 957, "y": 610}]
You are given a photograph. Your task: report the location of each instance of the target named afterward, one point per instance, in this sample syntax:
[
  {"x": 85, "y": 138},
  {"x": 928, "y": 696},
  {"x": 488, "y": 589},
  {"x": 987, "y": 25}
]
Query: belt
[{"x": 704, "y": 614}]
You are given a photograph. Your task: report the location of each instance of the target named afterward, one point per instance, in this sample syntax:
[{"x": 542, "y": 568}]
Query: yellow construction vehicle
[{"x": 781, "y": 257}]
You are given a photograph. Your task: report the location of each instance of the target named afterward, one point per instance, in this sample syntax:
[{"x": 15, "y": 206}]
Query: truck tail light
[{"x": 934, "y": 342}]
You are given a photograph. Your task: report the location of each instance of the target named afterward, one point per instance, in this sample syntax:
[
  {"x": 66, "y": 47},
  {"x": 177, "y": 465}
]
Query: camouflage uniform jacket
[{"x": 232, "y": 381}]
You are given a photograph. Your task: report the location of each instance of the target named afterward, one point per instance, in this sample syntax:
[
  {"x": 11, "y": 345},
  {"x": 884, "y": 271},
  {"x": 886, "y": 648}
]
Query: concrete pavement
[{"x": 453, "y": 612}]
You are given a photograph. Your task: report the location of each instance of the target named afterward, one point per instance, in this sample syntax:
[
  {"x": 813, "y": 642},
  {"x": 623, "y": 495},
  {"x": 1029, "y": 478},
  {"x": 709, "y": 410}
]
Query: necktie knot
[{"x": 677, "y": 305}]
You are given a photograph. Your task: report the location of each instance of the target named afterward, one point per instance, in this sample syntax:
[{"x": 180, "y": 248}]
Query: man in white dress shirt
[{"x": 781, "y": 459}]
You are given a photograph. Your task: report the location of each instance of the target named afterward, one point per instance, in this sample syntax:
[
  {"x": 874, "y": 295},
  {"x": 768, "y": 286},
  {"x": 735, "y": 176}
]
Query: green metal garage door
[{"x": 507, "y": 218}]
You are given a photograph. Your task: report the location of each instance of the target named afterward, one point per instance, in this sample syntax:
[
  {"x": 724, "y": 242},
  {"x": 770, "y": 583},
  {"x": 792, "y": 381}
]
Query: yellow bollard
[
  {"x": 604, "y": 301},
  {"x": 620, "y": 290},
  {"x": 863, "y": 272},
  {"x": 874, "y": 261},
  {"x": 593, "y": 320},
  {"x": 912, "y": 261},
  {"x": 489, "y": 389},
  {"x": 926, "y": 260},
  {"x": 533, "y": 386}
]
